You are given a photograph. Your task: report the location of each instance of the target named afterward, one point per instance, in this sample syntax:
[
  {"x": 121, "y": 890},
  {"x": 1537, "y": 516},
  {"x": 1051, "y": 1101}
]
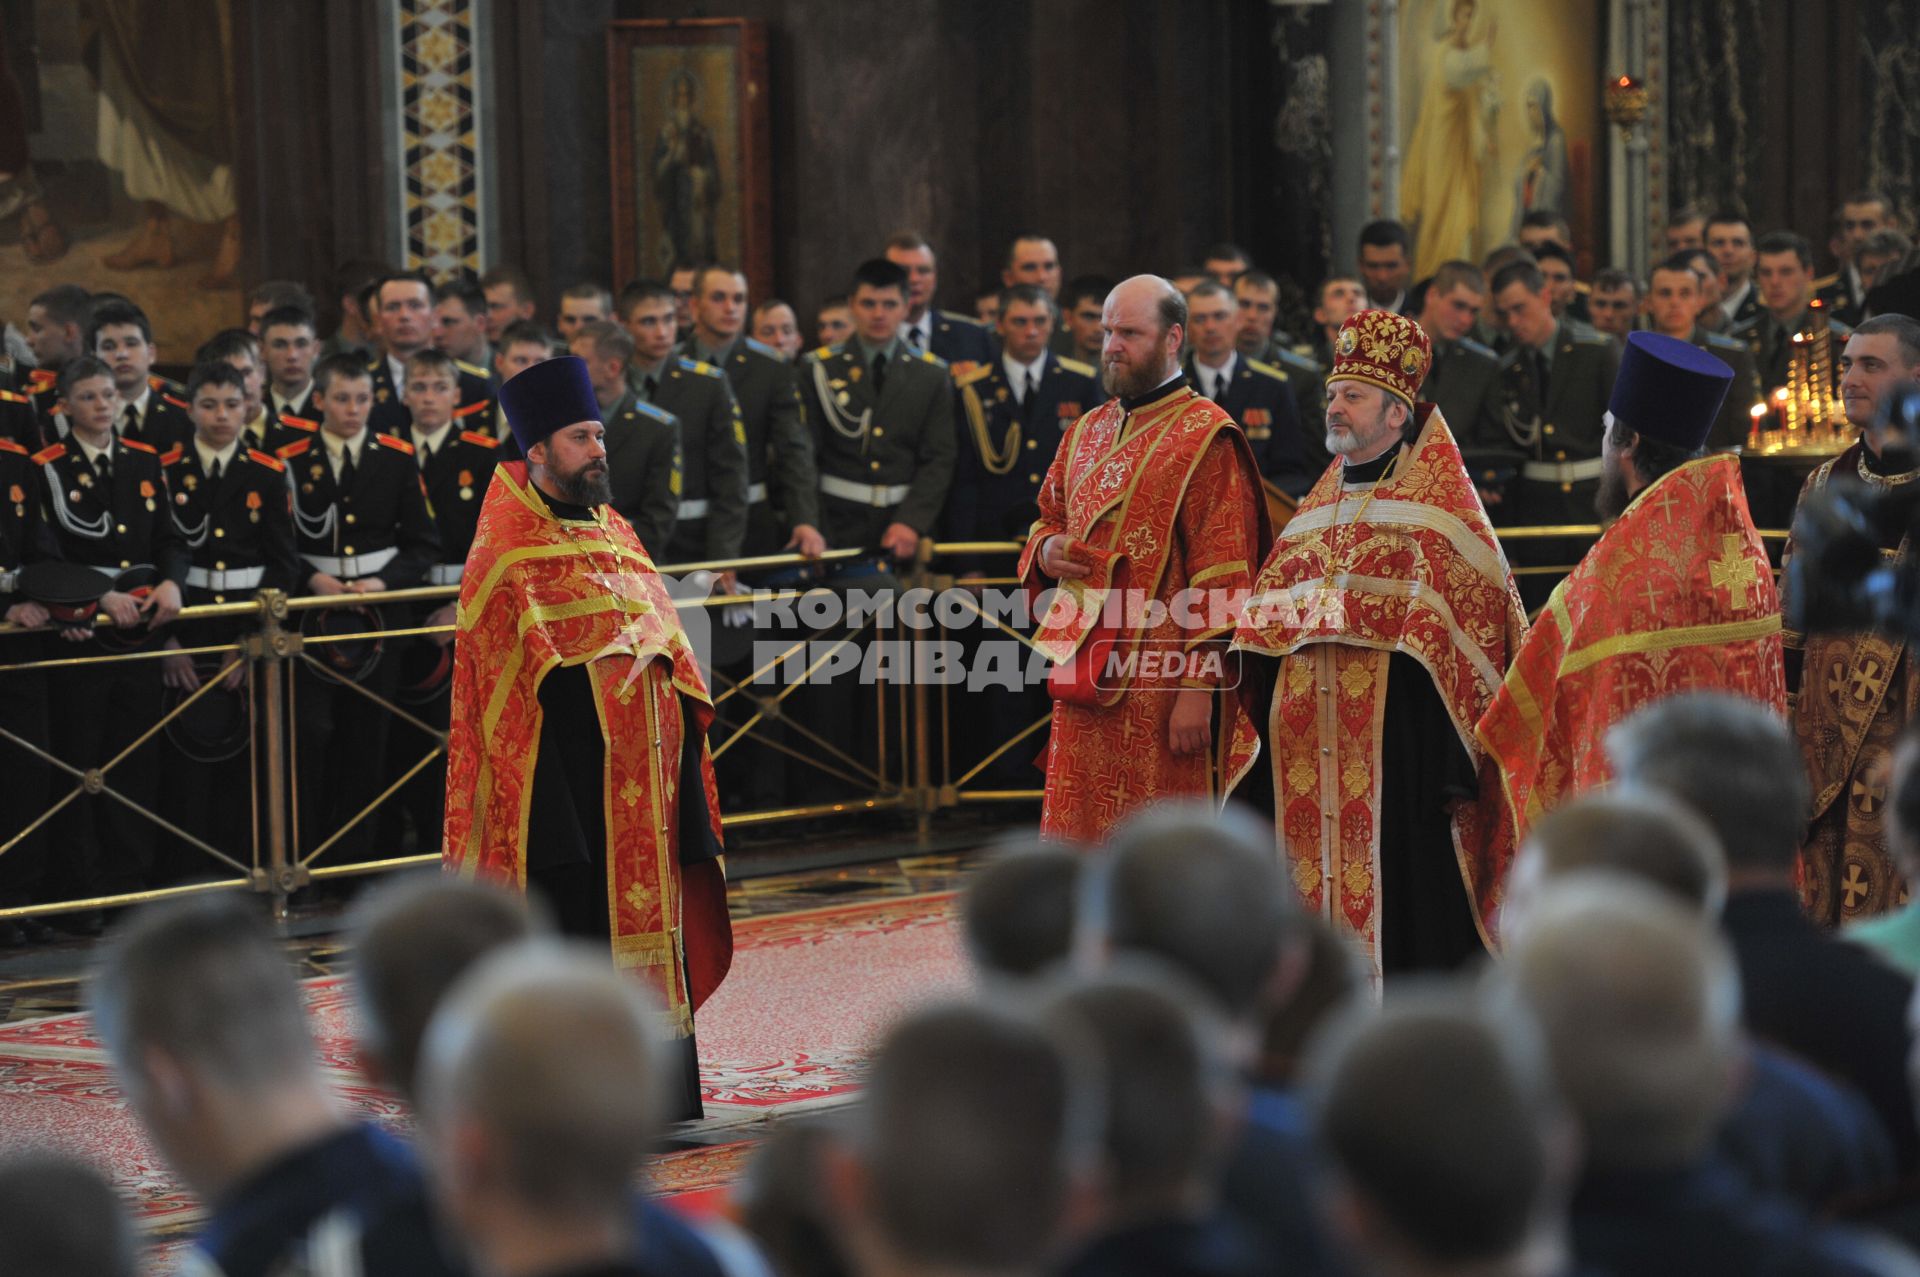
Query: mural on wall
[
  {"x": 690, "y": 146},
  {"x": 116, "y": 159},
  {"x": 1499, "y": 116}
]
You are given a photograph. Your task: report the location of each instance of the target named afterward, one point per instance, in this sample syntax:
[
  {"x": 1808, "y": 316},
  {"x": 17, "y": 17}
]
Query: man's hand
[
  {"x": 177, "y": 670},
  {"x": 29, "y": 614},
  {"x": 367, "y": 585},
  {"x": 442, "y": 616},
  {"x": 162, "y": 603},
  {"x": 326, "y": 583},
  {"x": 1055, "y": 563},
  {"x": 123, "y": 608},
  {"x": 806, "y": 539},
  {"x": 1190, "y": 730},
  {"x": 900, "y": 540},
  {"x": 1489, "y": 497}
]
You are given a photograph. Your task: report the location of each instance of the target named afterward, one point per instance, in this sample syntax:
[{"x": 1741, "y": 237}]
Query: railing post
[
  {"x": 269, "y": 647},
  {"x": 925, "y": 796}
]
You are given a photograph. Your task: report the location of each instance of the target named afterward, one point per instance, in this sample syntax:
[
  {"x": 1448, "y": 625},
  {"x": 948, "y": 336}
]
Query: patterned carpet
[{"x": 809, "y": 994}]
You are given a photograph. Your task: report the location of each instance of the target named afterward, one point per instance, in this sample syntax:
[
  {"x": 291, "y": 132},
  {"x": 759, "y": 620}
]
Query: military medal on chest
[{"x": 147, "y": 493}]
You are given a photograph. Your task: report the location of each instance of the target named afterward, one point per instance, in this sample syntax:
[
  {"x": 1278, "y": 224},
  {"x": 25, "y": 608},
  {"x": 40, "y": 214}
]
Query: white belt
[
  {"x": 231, "y": 579},
  {"x": 756, "y": 493},
  {"x": 873, "y": 494},
  {"x": 1564, "y": 471},
  {"x": 446, "y": 573},
  {"x": 353, "y": 565},
  {"x": 694, "y": 509}
]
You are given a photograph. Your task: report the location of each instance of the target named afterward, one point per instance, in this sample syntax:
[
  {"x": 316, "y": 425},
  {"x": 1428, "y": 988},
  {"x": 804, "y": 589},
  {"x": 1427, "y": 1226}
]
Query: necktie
[
  {"x": 347, "y": 469},
  {"x": 426, "y": 457},
  {"x": 1219, "y": 387},
  {"x": 103, "y": 468},
  {"x": 1033, "y": 387},
  {"x": 914, "y": 335},
  {"x": 879, "y": 373},
  {"x": 219, "y": 468},
  {"x": 1540, "y": 378},
  {"x": 130, "y": 422},
  {"x": 651, "y": 384}
]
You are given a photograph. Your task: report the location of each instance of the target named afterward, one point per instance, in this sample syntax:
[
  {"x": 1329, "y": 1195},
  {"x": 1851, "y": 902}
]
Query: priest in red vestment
[
  {"x": 576, "y": 758},
  {"x": 1151, "y": 521},
  {"x": 1376, "y": 635},
  {"x": 1677, "y": 595}
]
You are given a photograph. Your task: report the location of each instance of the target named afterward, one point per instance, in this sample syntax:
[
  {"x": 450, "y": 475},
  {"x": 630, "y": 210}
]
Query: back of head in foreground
[
  {"x": 537, "y": 1100},
  {"x": 1447, "y": 1142},
  {"x": 1204, "y": 891},
  {"x": 976, "y": 1124},
  {"x": 1639, "y": 1002},
  {"x": 1732, "y": 761},
  {"x": 412, "y": 939},
  {"x": 1017, "y": 912},
  {"x": 59, "y": 1218},
  {"x": 1638, "y": 833}
]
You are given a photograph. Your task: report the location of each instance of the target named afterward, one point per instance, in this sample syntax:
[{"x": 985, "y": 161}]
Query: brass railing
[{"x": 914, "y": 764}]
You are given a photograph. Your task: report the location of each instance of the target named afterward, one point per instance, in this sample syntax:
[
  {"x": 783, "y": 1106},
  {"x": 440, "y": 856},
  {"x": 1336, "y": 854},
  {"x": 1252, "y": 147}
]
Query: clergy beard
[
  {"x": 1610, "y": 502},
  {"x": 1130, "y": 381},
  {"x": 588, "y": 486}
]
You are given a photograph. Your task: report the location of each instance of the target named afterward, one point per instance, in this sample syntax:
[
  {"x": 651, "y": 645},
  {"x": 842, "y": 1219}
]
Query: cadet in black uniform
[
  {"x": 456, "y": 465},
  {"x": 711, "y": 520},
  {"x": 403, "y": 317},
  {"x": 289, "y": 343},
  {"x": 23, "y": 693},
  {"x": 105, "y": 501},
  {"x": 152, "y": 409},
  {"x": 643, "y": 442},
  {"x": 962, "y": 341},
  {"x": 362, "y": 526},
  {"x": 1556, "y": 383},
  {"x": 231, "y": 505},
  {"x": 1254, "y": 393},
  {"x": 782, "y": 484},
  {"x": 882, "y": 423}
]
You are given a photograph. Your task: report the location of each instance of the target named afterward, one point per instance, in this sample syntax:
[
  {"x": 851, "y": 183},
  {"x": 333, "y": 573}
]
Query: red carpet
[{"x": 809, "y": 994}]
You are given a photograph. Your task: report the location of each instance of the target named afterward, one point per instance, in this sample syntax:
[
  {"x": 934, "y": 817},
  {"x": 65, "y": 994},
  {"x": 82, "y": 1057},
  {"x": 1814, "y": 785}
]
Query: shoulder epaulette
[
  {"x": 965, "y": 321},
  {"x": 1469, "y": 344},
  {"x": 700, "y": 366},
  {"x": 1582, "y": 286},
  {"x": 14, "y": 396},
  {"x": 375, "y": 363},
  {"x": 266, "y": 459},
  {"x": 658, "y": 414},
  {"x": 1745, "y": 327},
  {"x": 52, "y": 452},
  {"x": 178, "y": 403},
  {"x": 1827, "y": 281},
  {"x": 825, "y": 352},
  {"x": 398, "y": 445},
  {"x": 299, "y": 423},
  {"x": 1592, "y": 339},
  {"x": 174, "y": 455},
  {"x": 472, "y": 370},
  {"x": 761, "y": 347},
  {"x": 286, "y": 451},
  {"x": 1075, "y": 365},
  {"x": 1266, "y": 370},
  {"x": 932, "y": 358},
  {"x": 1305, "y": 363},
  {"x": 138, "y": 446},
  {"x": 1724, "y": 342},
  {"x": 973, "y": 374},
  {"x": 478, "y": 405},
  {"x": 475, "y": 437},
  {"x": 9, "y": 445},
  {"x": 41, "y": 378}
]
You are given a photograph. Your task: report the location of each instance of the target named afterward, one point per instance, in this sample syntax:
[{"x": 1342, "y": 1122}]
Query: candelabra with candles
[{"x": 1806, "y": 416}]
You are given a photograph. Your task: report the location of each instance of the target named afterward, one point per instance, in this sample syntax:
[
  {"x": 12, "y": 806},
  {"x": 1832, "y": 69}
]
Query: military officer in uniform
[
  {"x": 1785, "y": 273},
  {"x": 152, "y": 409},
  {"x": 403, "y": 318},
  {"x": 782, "y": 484},
  {"x": 1014, "y": 412},
  {"x": 1859, "y": 216},
  {"x": 1254, "y": 393},
  {"x": 712, "y": 518},
  {"x": 882, "y": 423},
  {"x": 56, "y": 333},
  {"x": 963, "y": 342},
  {"x": 1556, "y": 384},
  {"x": 105, "y": 500},
  {"x": 1464, "y": 377},
  {"x": 231, "y": 505},
  {"x": 644, "y": 452},
  {"x": 362, "y": 526},
  {"x": 1730, "y": 240},
  {"x": 456, "y": 465},
  {"x": 1673, "y": 302}
]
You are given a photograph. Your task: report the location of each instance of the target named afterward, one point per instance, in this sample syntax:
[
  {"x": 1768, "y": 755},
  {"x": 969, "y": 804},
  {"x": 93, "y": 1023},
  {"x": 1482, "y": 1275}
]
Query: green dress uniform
[
  {"x": 643, "y": 467},
  {"x": 711, "y": 519},
  {"x": 391, "y": 415},
  {"x": 783, "y": 485},
  {"x": 1771, "y": 343}
]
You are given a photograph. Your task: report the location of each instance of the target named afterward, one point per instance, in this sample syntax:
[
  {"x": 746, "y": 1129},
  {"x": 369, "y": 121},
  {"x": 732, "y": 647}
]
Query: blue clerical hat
[
  {"x": 1669, "y": 390},
  {"x": 548, "y": 396}
]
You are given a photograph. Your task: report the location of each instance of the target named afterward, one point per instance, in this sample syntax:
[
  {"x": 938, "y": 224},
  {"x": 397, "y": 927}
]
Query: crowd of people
[{"x": 1164, "y": 1066}]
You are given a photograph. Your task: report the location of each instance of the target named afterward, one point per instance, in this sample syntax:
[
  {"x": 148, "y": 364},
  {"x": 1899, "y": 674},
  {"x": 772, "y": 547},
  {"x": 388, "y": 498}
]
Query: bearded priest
[
  {"x": 577, "y": 759},
  {"x": 1677, "y": 595},
  {"x": 1375, "y": 638}
]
